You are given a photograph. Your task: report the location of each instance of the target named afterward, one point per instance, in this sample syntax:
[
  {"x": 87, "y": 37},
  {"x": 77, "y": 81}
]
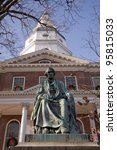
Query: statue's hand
[
  {"x": 45, "y": 96},
  {"x": 68, "y": 95},
  {"x": 40, "y": 97}
]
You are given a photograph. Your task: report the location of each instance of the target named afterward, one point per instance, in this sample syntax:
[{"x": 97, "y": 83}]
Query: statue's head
[{"x": 49, "y": 70}]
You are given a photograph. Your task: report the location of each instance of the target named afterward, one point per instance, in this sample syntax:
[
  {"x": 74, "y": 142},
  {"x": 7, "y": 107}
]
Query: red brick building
[{"x": 20, "y": 77}]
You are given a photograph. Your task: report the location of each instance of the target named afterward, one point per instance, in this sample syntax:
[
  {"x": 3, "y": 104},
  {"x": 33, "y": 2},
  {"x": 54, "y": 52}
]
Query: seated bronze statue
[{"x": 54, "y": 107}]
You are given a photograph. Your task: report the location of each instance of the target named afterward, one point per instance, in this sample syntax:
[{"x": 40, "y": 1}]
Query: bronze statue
[{"x": 54, "y": 108}]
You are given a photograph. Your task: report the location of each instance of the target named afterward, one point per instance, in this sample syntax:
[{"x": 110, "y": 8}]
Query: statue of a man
[{"x": 54, "y": 108}]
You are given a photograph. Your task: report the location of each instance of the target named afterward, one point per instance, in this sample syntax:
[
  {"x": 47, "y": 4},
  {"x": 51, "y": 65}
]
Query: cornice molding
[
  {"x": 33, "y": 92},
  {"x": 50, "y": 64},
  {"x": 42, "y": 67}
]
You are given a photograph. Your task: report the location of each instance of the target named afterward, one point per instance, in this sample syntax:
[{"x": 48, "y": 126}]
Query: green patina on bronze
[
  {"x": 54, "y": 108},
  {"x": 58, "y": 138}
]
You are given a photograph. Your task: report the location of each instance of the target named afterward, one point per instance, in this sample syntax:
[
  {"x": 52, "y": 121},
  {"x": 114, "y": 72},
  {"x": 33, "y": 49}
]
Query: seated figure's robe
[{"x": 54, "y": 108}]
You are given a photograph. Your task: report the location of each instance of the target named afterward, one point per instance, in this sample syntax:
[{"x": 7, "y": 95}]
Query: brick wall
[
  {"x": 32, "y": 79},
  {"x": 86, "y": 122}
]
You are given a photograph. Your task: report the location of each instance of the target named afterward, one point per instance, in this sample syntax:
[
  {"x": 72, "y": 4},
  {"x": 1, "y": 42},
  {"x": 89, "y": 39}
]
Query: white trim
[
  {"x": 27, "y": 95},
  {"x": 42, "y": 67},
  {"x": 16, "y": 100},
  {"x": 92, "y": 79},
  {"x": 14, "y": 81},
  {"x": 31, "y": 88},
  {"x": 65, "y": 81},
  {"x": 40, "y": 77},
  {"x": 75, "y": 81},
  {"x": 82, "y": 124},
  {"x": 6, "y": 131},
  {"x": 92, "y": 124},
  {"x": 25, "y": 107},
  {"x": 77, "y": 96}
]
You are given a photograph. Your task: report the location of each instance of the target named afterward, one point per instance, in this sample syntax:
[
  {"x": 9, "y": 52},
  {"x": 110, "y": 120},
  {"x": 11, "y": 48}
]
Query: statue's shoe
[
  {"x": 39, "y": 131},
  {"x": 58, "y": 131},
  {"x": 64, "y": 130},
  {"x": 34, "y": 130},
  {"x": 45, "y": 131}
]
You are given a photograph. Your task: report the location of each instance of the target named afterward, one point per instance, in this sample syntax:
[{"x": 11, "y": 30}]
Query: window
[
  {"x": 41, "y": 79},
  {"x": 96, "y": 83},
  {"x": 45, "y": 61},
  {"x": 80, "y": 126},
  {"x": 45, "y": 35},
  {"x": 18, "y": 83},
  {"x": 12, "y": 133},
  {"x": 71, "y": 82}
]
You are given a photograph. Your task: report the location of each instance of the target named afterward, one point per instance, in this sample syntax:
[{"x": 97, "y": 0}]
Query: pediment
[{"x": 44, "y": 54}]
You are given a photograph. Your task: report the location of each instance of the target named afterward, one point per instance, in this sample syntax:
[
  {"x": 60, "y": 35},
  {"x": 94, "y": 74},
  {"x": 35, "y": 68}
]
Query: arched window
[
  {"x": 80, "y": 125},
  {"x": 96, "y": 83},
  {"x": 12, "y": 133}
]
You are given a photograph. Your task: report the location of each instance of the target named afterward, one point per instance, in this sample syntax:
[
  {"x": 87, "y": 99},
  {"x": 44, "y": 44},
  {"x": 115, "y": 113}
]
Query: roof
[
  {"x": 46, "y": 54},
  {"x": 45, "y": 21},
  {"x": 60, "y": 62}
]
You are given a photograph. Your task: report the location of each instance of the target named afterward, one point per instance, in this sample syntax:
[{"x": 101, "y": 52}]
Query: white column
[
  {"x": 93, "y": 127},
  {"x": 92, "y": 124},
  {"x": 98, "y": 111},
  {"x": 23, "y": 122}
]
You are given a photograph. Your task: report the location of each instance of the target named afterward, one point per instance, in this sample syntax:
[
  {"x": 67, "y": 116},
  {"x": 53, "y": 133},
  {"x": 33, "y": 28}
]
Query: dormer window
[
  {"x": 71, "y": 82},
  {"x": 44, "y": 61},
  {"x": 18, "y": 83},
  {"x": 45, "y": 35}
]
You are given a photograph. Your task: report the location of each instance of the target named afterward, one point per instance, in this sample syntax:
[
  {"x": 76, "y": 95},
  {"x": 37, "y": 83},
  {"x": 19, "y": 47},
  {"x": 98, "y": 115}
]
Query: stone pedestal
[
  {"x": 56, "y": 146},
  {"x": 58, "y": 138},
  {"x": 57, "y": 142}
]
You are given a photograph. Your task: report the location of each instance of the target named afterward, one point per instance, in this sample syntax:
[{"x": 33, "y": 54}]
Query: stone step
[
  {"x": 56, "y": 146},
  {"x": 63, "y": 138}
]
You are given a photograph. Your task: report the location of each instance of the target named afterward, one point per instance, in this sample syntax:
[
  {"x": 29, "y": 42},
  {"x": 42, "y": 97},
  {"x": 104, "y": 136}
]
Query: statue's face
[{"x": 50, "y": 74}]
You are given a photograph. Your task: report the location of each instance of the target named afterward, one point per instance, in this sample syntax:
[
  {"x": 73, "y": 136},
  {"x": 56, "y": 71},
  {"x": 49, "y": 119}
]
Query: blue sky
[{"x": 77, "y": 33}]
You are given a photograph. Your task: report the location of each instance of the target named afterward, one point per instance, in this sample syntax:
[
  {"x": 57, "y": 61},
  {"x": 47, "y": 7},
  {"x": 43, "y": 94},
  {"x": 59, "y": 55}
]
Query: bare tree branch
[
  {"x": 93, "y": 41},
  {"x": 5, "y": 6},
  {"x": 24, "y": 12}
]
